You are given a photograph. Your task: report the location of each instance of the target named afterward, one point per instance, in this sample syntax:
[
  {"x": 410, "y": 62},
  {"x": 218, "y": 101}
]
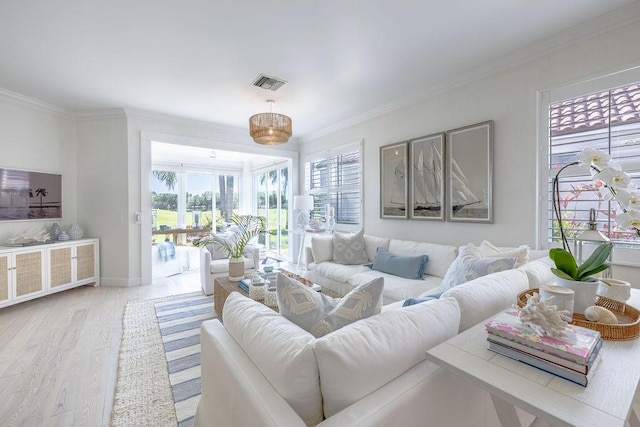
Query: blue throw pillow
[
  {"x": 409, "y": 267},
  {"x": 413, "y": 301}
]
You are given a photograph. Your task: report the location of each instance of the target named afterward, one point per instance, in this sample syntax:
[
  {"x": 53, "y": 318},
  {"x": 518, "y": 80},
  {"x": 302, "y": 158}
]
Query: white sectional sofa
[
  {"x": 343, "y": 278},
  {"x": 261, "y": 369}
]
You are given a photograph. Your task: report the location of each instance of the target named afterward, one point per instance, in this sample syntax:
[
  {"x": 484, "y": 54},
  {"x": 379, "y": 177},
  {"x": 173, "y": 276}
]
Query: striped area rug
[{"x": 179, "y": 321}]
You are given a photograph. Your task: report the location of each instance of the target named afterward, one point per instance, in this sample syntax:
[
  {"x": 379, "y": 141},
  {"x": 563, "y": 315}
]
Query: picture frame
[
  {"x": 30, "y": 195},
  {"x": 470, "y": 173},
  {"x": 427, "y": 177},
  {"x": 394, "y": 181}
]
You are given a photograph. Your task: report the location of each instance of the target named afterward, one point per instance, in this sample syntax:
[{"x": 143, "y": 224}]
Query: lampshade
[
  {"x": 270, "y": 128},
  {"x": 303, "y": 203}
]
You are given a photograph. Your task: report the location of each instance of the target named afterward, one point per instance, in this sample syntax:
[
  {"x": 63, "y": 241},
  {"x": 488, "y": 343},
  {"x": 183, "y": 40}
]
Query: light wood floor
[{"x": 59, "y": 354}]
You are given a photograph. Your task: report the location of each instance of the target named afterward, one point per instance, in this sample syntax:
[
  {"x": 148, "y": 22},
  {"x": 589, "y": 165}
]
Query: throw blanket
[{"x": 167, "y": 251}]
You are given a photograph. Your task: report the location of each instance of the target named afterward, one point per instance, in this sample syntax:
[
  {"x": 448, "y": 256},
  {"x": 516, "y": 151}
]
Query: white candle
[{"x": 562, "y": 297}]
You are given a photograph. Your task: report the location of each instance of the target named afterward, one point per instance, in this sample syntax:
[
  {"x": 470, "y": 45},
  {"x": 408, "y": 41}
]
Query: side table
[
  {"x": 222, "y": 288},
  {"x": 606, "y": 401}
]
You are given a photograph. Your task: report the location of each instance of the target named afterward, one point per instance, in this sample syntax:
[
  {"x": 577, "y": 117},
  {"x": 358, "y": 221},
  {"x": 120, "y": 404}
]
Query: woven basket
[{"x": 629, "y": 329}]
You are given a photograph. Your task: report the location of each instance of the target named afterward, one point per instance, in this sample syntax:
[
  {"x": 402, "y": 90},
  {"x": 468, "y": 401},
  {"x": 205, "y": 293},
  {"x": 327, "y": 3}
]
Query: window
[
  {"x": 607, "y": 120},
  {"x": 333, "y": 178},
  {"x": 272, "y": 201}
]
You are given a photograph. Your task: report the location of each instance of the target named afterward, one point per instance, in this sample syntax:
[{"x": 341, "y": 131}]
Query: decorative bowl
[{"x": 268, "y": 268}]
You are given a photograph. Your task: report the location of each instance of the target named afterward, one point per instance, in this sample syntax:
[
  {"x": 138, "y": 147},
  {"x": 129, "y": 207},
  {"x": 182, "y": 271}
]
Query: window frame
[
  {"x": 328, "y": 190},
  {"x": 626, "y": 255}
]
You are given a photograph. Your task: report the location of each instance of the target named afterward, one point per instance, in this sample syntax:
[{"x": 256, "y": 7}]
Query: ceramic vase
[
  {"x": 236, "y": 269},
  {"x": 585, "y": 293},
  {"x": 63, "y": 236},
  {"x": 54, "y": 231},
  {"x": 75, "y": 232}
]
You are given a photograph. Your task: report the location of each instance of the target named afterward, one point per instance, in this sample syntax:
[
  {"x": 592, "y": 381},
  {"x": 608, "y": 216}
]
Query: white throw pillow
[
  {"x": 281, "y": 350},
  {"x": 470, "y": 265},
  {"x": 320, "y": 314},
  {"x": 372, "y": 243},
  {"x": 521, "y": 253},
  {"x": 360, "y": 358},
  {"x": 322, "y": 248},
  {"x": 349, "y": 249}
]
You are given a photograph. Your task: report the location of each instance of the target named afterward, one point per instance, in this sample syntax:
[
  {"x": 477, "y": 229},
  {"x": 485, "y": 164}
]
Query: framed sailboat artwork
[
  {"x": 393, "y": 181},
  {"x": 426, "y": 177},
  {"x": 470, "y": 173}
]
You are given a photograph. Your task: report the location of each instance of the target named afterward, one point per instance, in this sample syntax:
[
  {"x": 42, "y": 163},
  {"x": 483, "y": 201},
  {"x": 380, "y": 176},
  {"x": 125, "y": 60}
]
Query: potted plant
[
  {"x": 580, "y": 278},
  {"x": 234, "y": 241}
]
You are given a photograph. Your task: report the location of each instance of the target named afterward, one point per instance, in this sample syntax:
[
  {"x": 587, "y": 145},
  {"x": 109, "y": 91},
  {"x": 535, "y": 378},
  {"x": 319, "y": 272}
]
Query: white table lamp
[{"x": 303, "y": 204}]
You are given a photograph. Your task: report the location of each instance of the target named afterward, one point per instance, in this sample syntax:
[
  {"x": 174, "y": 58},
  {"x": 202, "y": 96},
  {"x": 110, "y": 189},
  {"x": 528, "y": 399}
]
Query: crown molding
[
  {"x": 617, "y": 19},
  {"x": 24, "y": 100},
  {"x": 100, "y": 114}
]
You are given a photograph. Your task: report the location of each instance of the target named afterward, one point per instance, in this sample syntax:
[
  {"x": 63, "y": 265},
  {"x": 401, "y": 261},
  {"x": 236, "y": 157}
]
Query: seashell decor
[
  {"x": 601, "y": 315},
  {"x": 542, "y": 317}
]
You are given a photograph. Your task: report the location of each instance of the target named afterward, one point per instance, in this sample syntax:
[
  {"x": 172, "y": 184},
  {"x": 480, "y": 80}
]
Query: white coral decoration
[{"x": 542, "y": 317}]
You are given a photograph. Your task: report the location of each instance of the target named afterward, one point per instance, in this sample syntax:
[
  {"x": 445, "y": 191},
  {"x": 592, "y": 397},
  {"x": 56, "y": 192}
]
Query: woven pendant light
[{"x": 270, "y": 128}]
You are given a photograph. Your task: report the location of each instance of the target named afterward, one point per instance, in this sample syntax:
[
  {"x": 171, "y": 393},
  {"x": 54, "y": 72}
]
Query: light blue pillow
[
  {"x": 470, "y": 265},
  {"x": 409, "y": 267}
]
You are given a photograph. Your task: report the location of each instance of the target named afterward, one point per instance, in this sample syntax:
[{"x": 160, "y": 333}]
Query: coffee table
[
  {"x": 222, "y": 288},
  {"x": 606, "y": 401}
]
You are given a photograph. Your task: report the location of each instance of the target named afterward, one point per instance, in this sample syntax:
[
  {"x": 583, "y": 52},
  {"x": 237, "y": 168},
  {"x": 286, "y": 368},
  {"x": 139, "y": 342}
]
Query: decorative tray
[{"x": 628, "y": 327}]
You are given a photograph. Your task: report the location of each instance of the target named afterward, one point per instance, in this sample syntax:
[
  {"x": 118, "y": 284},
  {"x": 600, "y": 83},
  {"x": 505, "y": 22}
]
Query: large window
[
  {"x": 272, "y": 200},
  {"x": 607, "y": 120},
  {"x": 193, "y": 200},
  {"x": 334, "y": 180}
]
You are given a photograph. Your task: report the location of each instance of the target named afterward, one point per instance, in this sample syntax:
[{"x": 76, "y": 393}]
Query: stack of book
[
  {"x": 244, "y": 284},
  {"x": 574, "y": 356}
]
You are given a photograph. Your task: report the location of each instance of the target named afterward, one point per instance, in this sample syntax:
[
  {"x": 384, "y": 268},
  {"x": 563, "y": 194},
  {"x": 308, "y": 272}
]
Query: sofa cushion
[
  {"x": 338, "y": 272},
  {"x": 216, "y": 253},
  {"x": 281, "y": 350},
  {"x": 322, "y": 248},
  {"x": 521, "y": 253},
  {"x": 372, "y": 243},
  {"x": 359, "y": 358},
  {"x": 349, "y": 248},
  {"x": 440, "y": 256},
  {"x": 483, "y": 297},
  {"x": 320, "y": 314},
  {"x": 470, "y": 265},
  {"x": 396, "y": 287},
  {"x": 409, "y": 267}
]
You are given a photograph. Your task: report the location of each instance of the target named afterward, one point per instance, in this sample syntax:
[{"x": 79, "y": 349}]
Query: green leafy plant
[
  {"x": 567, "y": 268},
  {"x": 233, "y": 243}
]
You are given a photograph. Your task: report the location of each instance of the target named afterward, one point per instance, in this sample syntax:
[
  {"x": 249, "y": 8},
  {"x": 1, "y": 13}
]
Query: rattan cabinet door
[
  {"x": 29, "y": 272},
  {"x": 5, "y": 284},
  {"x": 60, "y": 266},
  {"x": 85, "y": 261}
]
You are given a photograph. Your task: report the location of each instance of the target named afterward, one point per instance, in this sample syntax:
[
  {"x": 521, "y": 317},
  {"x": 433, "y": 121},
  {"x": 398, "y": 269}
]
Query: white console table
[
  {"x": 606, "y": 401},
  {"x": 28, "y": 272}
]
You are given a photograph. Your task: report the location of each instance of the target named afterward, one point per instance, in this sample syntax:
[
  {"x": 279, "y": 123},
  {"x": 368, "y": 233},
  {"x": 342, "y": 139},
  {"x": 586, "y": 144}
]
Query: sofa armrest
[
  {"x": 206, "y": 280},
  {"x": 234, "y": 391},
  {"x": 253, "y": 252},
  {"x": 423, "y": 395}
]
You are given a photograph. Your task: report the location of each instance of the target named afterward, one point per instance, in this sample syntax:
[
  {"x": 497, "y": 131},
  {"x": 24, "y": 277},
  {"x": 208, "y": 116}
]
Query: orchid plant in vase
[{"x": 619, "y": 184}]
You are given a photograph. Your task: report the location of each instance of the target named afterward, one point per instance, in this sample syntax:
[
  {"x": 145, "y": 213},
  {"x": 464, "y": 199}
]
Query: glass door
[{"x": 272, "y": 202}]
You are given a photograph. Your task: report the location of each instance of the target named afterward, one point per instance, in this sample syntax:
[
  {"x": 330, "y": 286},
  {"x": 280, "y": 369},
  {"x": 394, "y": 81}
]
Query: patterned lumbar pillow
[
  {"x": 320, "y": 314},
  {"x": 349, "y": 249},
  {"x": 470, "y": 265}
]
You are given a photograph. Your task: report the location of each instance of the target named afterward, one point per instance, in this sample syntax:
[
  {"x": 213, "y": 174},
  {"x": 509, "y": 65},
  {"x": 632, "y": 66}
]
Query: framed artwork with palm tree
[{"x": 30, "y": 195}]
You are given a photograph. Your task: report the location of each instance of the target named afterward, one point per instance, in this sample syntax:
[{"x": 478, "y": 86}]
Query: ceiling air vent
[{"x": 266, "y": 82}]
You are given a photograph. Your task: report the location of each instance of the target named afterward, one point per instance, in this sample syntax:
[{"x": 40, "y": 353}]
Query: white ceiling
[{"x": 343, "y": 60}]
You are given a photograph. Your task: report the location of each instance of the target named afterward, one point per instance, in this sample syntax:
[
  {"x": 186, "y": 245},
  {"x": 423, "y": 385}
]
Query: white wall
[
  {"x": 103, "y": 183},
  {"x": 38, "y": 137},
  {"x": 509, "y": 98}
]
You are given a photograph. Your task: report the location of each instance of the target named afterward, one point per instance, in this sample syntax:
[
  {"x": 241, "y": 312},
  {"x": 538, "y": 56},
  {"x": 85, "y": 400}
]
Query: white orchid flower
[
  {"x": 614, "y": 178},
  {"x": 628, "y": 200},
  {"x": 590, "y": 156},
  {"x": 629, "y": 219}
]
